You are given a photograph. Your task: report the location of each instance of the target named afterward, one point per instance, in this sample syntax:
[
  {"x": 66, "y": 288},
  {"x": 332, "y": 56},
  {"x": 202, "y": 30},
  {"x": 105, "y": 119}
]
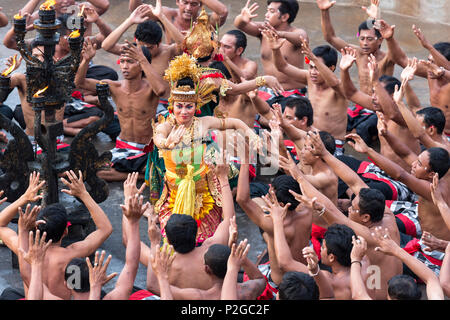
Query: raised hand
[
  {"x": 325, "y": 4},
  {"x": 130, "y": 186},
  {"x": 157, "y": 9},
  {"x": 358, "y": 143},
  {"x": 373, "y": 11},
  {"x": 37, "y": 248},
  {"x": 435, "y": 192},
  {"x": 97, "y": 272},
  {"x": 273, "y": 206},
  {"x": 273, "y": 84},
  {"x": 289, "y": 166},
  {"x": 34, "y": 186},
  {"x": 238, "y": 254},
  {"x": 13, "y": 63},
  {"x": 162, "y": 260},
  {"x": 1, "y": 195},
  {"x": 89, "y": 49},
  {"x": 374, "y": 72},
  {"x": 318, "y": 148},
  {"x": 399, "y": 93},
  {"x": 75, "y": 184},
  {"x": 434, "y": 71},
  {"x": 274, "y": 41},
  {"x": 423, "y": 41},
  {"x": 381, "y": 124},
  {"x": 233, "y": 232},
  {"x": 133, "y": 52},
  {"x": 90, "y": 14},
  {"x": 313, "y": 204},
  {"x": 409, "y": 70},
  {"x": 306, "y": 50},
  {"x": 248, "y": 12},
  {"x": 153, "y": 231},
  {"x": 348, "y": 58},
  {"x": 27, "y": 220},
  {"x": 359, "y": 248},
  {"x": 311, "y": 259},
  {"x": 384, "y": 241},
  {"x": 386, "y": 30},
  {"x": 175, "y": 137},
  {"x": 134, "y": 207},
  {"x": 140, "y": 14},
  {"x": 222, "y": 167}
]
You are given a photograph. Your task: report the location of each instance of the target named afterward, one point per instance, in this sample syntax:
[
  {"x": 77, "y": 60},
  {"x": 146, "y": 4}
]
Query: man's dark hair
[
  {"x": 439, "y": 160},
  {"x": 79, "y": 267},
  {"x": 433, "y": 116},
  {"x": 55, "y": 217},
  {"x": 216, "y": 258},
  {"x": 298, "y": 286},
  {"x": 303, "y": 108},
  {"x": 181, "y": 231},
  {"x": 443, "y": 48},
  {"x": 327, "y": 53},
  {"x": 372, "y": 202},
  {"x": 287, "y": 6},
  {"x": 241, "y": 39},
  {"x": 403, "y": 287},
  {"x": 338, "y": 238},
  {"x": 328, "y": 141},
  {"x": 149, "y": 32},
  {"x": 219, "y": 65},
  {"x": 390, "y": 83},
  {"x": 282, "y": 184},
  {"x": 365, "y": 26}
]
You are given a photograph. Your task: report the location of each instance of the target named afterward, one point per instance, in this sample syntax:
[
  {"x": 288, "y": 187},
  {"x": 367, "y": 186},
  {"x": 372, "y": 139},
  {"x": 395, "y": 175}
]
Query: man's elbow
[
  {"x": 103, "y": 8},
  {"x": 445, "y": 287}
]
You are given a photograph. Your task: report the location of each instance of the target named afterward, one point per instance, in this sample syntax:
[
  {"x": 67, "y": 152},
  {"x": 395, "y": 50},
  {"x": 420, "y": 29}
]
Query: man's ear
[
  {"x": 285, "y": 17},
  {"x": 239, "y": 51},
  {"x": 332, "y": 68},
  {"x": 365, "y": 217}
]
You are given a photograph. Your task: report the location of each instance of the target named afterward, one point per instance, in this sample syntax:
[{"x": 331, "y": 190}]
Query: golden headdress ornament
[
  {"x": 202, "y": 39},
  {"x": 185, "y": 66}
]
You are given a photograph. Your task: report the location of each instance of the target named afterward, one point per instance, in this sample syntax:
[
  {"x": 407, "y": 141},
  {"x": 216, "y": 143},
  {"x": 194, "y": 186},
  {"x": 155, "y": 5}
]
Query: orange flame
[
  {"x": 10, "y": 69},
  {"x": 18, "y": 16},
  {"x": 74, "y": 34},
  {"x": 48, "y": 5},
  {"x": 82, "y": 10},
  {"x": 38, "y": 93}
]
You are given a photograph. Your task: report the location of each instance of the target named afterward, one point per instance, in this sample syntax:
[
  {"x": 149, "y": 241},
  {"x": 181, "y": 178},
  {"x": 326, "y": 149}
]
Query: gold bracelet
[
  {"x": 163, "y": 143},
  {"x": 260, "y": 81}
]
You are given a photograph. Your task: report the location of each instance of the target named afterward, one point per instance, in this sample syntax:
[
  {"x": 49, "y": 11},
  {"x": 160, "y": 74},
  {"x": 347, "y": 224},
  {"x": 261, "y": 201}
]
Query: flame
[
  {"x": 10, "y": 69},
  {"x": 82, "y": 10},
  {"x": 48, "y": 5},
  {"x": 74, "y": 34},
  {"x": 18, "y": 16},
  {"x": 38, "y": 93}
]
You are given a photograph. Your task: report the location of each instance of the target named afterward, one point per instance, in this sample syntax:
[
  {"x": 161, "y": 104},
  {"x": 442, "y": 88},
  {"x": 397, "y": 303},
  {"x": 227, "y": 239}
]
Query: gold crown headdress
[
  {"x": 202, "y": 39},
  {"x": 185, "y": 66}
]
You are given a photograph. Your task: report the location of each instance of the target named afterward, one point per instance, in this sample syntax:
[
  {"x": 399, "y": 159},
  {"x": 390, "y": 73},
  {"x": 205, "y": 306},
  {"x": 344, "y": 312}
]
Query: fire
[
  {"x": 38, "y": 93},
  {"x": 10, "y": 69},
  {"x": 74, "y": 34},
  {"x": 48, "y": 5},
  {"x": 82, "y": 10},
  {"x": 18, "y": 16}
]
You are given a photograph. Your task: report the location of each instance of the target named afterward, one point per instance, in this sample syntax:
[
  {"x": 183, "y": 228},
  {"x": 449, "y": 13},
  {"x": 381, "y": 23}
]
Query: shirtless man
[
  {"x": 324, "y": 89},
  {"x": 279, "y": 16},
  {"x": 136, "y": 100},
  {"x": 148, "y": 34},
  {"x": 423, "y": 168},
  {"x": 187, "y": 13},
  {"x": 297, "y": 223},
  {"x": 369, "y": 43},
  {"x": 384, "y": 90},
  {"x": 368, "y": 211},
  {"x": 232, "y": 47},
  {"x": 57, "y": 257}
]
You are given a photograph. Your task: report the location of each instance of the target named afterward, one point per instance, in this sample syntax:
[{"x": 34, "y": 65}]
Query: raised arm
[
  {"x": 396, "y": 172},
  {"x": 97, "y": 274},
  {"x": 275, "y": 43},
  {"x": 350, "y": 91},
  {"x": 101, "y": 6},
  {"x": 438, "y": 58},
  {"x": 169, "y": 27},
  {"x": 161, "y": 260},
  {"x": 132, "y": 212},
  {"x": 235, "y": 260},
  {"x": 219, "y": 12},
  {"x": 157, "y": 83},
  {"x": 104, "y": 229},
  {"x": 327, "y": 28},
  {"x": 439, "y": 201},
  {"x": 357, "y": 286},
  {"x": 389, "y": 247},
  {"x": 139, "y": 15},
  {"x": 444, "y": 275},
  {"x": 244, "y": 22},
  {"x": 80, "y": 77},
  {"x": 92, "y": 16}
]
